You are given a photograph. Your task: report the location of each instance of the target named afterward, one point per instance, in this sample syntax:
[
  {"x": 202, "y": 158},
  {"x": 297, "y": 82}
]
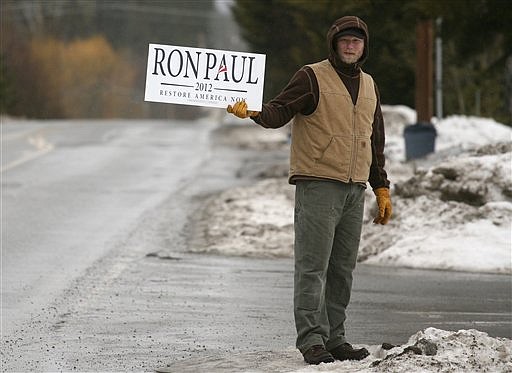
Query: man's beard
[{"x": 350, "y": 59}]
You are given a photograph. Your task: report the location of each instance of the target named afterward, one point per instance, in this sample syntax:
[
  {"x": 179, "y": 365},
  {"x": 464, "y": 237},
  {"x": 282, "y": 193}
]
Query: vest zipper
[{"x": 354, "y": 144}]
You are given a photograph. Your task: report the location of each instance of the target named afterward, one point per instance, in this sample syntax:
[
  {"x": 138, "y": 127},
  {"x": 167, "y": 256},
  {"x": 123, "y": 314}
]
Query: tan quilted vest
[{"x": 334, "y": 141}]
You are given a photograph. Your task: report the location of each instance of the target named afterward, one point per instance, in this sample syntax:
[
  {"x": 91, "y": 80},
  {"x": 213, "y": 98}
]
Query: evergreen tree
[{"x": 476, "y": 40}]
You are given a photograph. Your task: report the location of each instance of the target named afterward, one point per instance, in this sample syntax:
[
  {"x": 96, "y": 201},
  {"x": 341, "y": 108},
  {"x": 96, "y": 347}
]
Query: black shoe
[
  {"x": 347, "y": 352},
  {"x": 317, "y": 354}
]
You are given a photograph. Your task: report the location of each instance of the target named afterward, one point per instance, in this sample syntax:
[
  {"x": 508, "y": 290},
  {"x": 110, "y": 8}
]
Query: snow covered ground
[
  {"x": 451, "y": 211},
  {"x": 433, "y": 350}
]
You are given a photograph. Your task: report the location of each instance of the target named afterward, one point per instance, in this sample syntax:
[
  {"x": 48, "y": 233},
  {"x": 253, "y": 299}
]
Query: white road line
[
  {"x": 43, "y": 147},
  {"x": 16, "y": 135}
]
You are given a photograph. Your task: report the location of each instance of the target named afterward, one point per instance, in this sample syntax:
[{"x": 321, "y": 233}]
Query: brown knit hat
[
  {"x": 350, "y": 24},
  {"x": 352, "y": 31}
]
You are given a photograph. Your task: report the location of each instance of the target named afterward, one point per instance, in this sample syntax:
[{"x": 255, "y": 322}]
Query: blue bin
[{"x": 420, "y": 140}]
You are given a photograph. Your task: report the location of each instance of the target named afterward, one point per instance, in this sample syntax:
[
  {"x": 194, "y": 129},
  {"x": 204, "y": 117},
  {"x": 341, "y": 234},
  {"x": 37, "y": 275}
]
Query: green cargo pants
[{"x": 328, "y": 221}]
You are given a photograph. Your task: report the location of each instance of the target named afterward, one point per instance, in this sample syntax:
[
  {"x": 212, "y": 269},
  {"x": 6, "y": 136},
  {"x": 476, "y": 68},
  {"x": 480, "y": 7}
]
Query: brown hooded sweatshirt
[{"x": 301, "y": 96}]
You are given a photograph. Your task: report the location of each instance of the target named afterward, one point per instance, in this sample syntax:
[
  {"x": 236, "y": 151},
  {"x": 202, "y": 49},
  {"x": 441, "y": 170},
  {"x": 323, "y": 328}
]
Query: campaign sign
[{"x": 204, "y": 77}]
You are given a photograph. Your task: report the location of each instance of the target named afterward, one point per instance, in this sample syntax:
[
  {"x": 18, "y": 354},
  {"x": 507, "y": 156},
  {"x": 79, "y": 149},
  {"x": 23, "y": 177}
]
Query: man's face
[{"x": 350, "y": 48}]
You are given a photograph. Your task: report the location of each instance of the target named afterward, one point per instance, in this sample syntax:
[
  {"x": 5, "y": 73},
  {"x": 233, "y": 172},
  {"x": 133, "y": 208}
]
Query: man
[{"x": 337, "y": 146}]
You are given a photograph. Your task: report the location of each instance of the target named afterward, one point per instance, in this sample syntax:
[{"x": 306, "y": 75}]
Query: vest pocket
[
  {"x": 363, "y": 159},
  {"x": 336, "y": 154}
]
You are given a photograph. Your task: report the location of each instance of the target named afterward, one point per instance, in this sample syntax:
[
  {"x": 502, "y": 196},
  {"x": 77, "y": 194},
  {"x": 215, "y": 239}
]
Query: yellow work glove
[
  {"x": 384, "y": 204},
  {"x": 240, "y": 110}
]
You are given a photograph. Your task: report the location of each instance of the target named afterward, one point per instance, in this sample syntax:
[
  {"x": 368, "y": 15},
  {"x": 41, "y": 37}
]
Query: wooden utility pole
[
  {"x": 424, "y": 71},
  {"x": 420, "y": 137}
]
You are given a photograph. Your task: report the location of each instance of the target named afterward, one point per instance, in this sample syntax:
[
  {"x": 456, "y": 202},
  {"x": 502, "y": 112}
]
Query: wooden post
[{"x": 424, "y": 71}]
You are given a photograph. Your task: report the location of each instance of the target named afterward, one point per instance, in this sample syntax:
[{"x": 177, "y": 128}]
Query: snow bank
[
  {"x": 451, "y": 210},
  {"x": 455, "y": 135},
  {"x": 433, "y": 350},
  {"x": 249, "y": 221},
  {"x": 455, "y": 215},
  {"x": 470, "y": 132},
  {"x": 460, "y": 132}
]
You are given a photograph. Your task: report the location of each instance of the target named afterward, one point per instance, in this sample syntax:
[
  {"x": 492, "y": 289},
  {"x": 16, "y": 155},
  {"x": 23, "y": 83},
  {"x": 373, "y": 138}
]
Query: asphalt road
[
  {"x": 96, "y": 274},
  {"x": 70, "y": 190}
]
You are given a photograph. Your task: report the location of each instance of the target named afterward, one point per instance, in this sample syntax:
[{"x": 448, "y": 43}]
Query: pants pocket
[{"x": 307, "y": 301}]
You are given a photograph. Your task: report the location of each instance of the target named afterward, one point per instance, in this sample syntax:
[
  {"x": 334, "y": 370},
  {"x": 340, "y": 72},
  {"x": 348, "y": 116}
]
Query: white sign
[{"x": 204, "y": 77}]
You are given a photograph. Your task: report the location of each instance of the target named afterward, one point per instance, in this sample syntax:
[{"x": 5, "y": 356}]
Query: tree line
[
  {"x": 476, "y": 37},
  {"x": 87, "y": 58}
]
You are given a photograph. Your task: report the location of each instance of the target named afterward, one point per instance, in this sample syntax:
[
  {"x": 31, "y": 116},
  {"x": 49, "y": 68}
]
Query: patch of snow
[
  {"x": 250, "y": 221},
  {"x": 455, "y": 215},
  {"x": 432, "y": 350},
  {"x": 475, "y": 246},
  {"x": 470, "y": 132}
]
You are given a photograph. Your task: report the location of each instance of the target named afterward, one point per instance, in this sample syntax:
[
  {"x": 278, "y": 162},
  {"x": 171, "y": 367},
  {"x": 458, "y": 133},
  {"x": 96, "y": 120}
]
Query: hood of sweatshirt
[{"x": 339, "y": 25}]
